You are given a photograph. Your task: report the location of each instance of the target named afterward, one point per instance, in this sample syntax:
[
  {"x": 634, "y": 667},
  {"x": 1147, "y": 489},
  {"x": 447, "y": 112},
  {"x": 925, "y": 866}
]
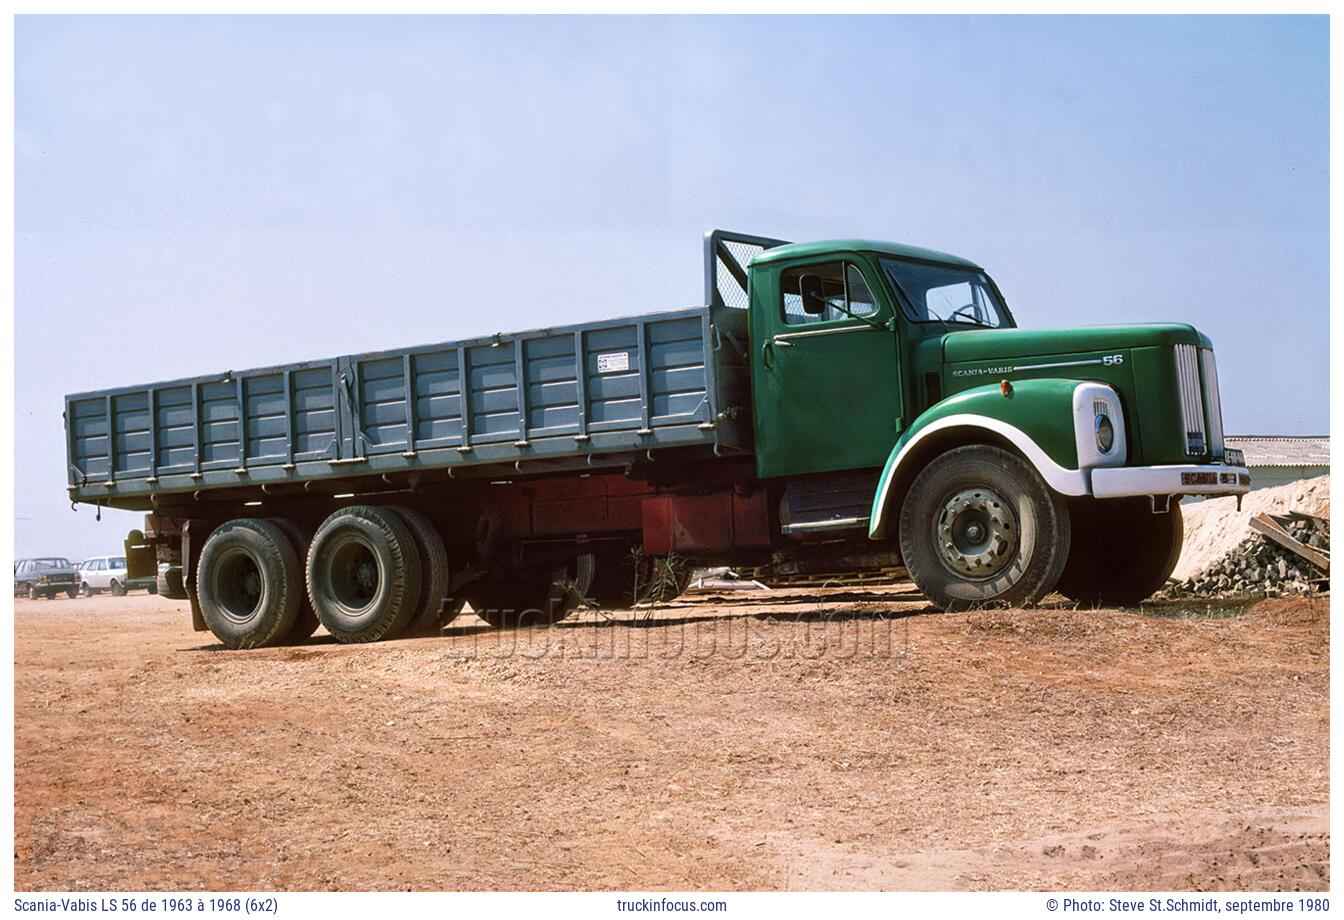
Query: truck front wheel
[
  {"x": 980, "y": 526},
  {"x": 1121, "y": 552},
  {"x": 364, "y": 574},
  {"x": 249, "y": 583}
]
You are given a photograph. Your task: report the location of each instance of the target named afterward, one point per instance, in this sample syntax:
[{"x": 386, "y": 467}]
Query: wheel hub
[
  {"x": 354, "y": 576},
  {"x": 238, "y": 586},
  {"x": 976, "y": 533}
]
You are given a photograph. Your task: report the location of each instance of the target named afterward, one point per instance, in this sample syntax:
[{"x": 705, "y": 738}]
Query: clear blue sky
[{"x": 197, "y": 193}]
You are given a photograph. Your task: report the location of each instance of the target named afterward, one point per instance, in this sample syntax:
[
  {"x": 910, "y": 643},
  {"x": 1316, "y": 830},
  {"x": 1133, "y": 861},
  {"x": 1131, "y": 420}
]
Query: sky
[{"x": 195, "y": 194}]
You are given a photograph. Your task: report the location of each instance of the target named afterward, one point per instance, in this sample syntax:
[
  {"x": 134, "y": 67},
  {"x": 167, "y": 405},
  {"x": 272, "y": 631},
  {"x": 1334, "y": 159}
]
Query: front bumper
[{"x": 1177, "y": 479}]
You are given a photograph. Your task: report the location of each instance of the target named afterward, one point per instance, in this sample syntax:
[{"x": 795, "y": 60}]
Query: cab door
[{"x": 825, "y": 378}]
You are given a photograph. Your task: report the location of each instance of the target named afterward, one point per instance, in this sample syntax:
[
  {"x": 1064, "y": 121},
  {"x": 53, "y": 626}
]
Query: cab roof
[{"x": 881, "y": 247}]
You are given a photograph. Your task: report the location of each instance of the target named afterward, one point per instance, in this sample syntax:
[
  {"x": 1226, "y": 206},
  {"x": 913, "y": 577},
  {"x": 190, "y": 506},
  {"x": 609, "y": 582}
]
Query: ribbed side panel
[
  {"x": 90, "y": 449},
  {"x": 552, "y": 386},
  {"x": 641, "y": 383},
  {"x": 314, "y": 412},
  {"x": 175, "y": 432},
  {"x": 219, "y": 423},
  {"x": 265, "y": 421},
  {"x": 382, "y": 403},
  {"x": 130, "y": 433},
  {"x": 677, "y": 371},
  {"x": 437, "y": 386}
]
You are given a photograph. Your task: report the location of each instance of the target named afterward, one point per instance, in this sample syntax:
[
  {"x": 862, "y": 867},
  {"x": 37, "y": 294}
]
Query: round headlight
[{"x": 1105, "y": 433}]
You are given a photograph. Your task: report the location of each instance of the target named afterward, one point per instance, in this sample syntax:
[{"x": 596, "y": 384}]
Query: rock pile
[{"x": 1259, "y": 567}]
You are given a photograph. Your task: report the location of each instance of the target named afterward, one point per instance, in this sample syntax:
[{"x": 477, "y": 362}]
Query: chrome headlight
[
  {"x": 1098, "y": 425},
  {"x": 1105, "y": 432}
]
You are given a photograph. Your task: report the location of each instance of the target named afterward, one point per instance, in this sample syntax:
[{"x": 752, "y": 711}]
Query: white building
[{"x": 1274, "y": 461}]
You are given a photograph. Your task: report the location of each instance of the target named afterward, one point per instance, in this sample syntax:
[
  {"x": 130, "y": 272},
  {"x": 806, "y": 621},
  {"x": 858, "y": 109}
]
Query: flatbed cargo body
[{"x": 595, "y": 394}]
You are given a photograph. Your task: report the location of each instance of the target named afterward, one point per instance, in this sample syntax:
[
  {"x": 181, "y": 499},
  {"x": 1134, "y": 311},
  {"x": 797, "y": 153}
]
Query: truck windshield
[{"x": 946, "y": 294}]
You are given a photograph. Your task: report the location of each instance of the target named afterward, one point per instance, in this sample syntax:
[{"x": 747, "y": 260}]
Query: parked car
[
  {"x": 45, "y": 576},
  {"x": 108, "y": 573}
]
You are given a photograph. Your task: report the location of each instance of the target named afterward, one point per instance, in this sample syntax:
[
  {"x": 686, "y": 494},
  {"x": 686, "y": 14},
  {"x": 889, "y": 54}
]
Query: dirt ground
[{"x": 794, "y": 739}]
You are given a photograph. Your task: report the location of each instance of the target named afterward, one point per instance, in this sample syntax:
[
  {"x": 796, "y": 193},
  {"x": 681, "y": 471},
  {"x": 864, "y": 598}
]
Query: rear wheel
[
  {"x": 980, "y": 526},
  {"x": 249, "y": 583},
  {"x": 425, "y": 620},
  {"x": 305, "y": 620},
  {"x": 118, "y": 589},
  {"x": 364, "y": 574},
  {"x": 168, "y": 583},
  {"x": 72, "y": 592},
  {"x": 532, "y": 597},
  {"x": 1122, "y": 553}
]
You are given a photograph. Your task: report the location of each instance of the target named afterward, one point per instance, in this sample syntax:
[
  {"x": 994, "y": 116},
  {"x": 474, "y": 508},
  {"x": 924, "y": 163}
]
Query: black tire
[
  {"x": 72, "y": 592},
  {"x": 434, "y": 574},
  {"x": 85, "y": 590},
  {"x": 363, "y": 574},
  {"x": 1122, "y": 553},
  {"x": 979, "y": 526},
  {"x": 168, "y": 583},
  {"x": 532, "y": 597},
  {"x": 249, "y": 583},
  {"x": 305, "y": 621},
  {"x": 117, "y": 589}
]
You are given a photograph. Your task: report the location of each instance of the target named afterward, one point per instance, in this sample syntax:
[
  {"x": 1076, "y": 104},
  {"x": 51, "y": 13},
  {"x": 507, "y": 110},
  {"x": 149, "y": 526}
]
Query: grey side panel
[{"x": 673, "y": 379}]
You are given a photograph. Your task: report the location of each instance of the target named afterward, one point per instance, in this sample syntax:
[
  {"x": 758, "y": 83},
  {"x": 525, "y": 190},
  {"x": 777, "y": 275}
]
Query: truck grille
[
  {"x": 1213, "y": 404},
  {"x": 1201, "y": 408}
]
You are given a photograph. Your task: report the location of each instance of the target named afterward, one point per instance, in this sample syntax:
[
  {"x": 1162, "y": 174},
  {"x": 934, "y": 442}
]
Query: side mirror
[{"x": 814, "y": 297}]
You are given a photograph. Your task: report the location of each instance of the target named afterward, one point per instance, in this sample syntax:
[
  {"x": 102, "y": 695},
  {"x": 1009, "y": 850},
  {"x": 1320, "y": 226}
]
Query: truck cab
[{"x": 1007, "y": 462}]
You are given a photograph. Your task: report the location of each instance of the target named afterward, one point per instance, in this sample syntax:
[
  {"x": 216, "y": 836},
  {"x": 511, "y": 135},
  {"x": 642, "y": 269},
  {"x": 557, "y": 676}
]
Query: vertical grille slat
[
  {"x": 1192, "y": 399},
  {"x": 1213, "y": 402}
]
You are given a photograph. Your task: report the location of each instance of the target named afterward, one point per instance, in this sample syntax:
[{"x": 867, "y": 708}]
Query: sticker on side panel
[{"x": 613, "y": 361}]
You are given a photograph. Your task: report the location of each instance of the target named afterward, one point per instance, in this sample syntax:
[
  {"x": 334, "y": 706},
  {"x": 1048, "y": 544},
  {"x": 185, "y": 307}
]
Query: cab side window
[{"x": 825, "y": 292}]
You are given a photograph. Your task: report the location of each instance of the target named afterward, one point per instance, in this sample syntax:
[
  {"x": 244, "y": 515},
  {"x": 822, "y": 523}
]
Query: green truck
[{"x": 840, "y": 404}]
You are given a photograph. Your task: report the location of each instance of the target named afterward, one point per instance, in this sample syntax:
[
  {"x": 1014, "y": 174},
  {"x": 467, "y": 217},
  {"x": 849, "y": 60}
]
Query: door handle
[{"x": 768, "y": 350}]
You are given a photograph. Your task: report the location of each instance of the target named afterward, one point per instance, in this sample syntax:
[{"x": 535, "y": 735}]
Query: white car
[{"x": 108, "y": 573}]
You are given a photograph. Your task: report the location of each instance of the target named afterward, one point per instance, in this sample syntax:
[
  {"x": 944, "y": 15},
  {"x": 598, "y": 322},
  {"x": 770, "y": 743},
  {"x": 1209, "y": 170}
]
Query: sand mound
[{"x": 1214, "y": 527}]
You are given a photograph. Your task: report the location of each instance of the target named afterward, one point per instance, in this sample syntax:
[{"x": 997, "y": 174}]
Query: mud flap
[
  {"x": 141, "y": 558},
  {"x": 194, "y": 535}
]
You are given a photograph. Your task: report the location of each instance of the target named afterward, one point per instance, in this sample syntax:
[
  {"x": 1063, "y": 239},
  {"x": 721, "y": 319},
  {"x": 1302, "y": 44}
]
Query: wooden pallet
[
  {"x": 1272, "y": 526},
  {"x": 884, "y": 576}
]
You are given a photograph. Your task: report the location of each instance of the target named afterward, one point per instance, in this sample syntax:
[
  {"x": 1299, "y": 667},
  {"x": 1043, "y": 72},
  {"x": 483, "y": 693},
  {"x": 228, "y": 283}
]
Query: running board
[{"x": 850, "y": 523}]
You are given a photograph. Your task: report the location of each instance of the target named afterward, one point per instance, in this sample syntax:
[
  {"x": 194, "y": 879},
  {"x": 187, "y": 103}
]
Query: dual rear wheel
[{"x": 368, "y": 573}]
